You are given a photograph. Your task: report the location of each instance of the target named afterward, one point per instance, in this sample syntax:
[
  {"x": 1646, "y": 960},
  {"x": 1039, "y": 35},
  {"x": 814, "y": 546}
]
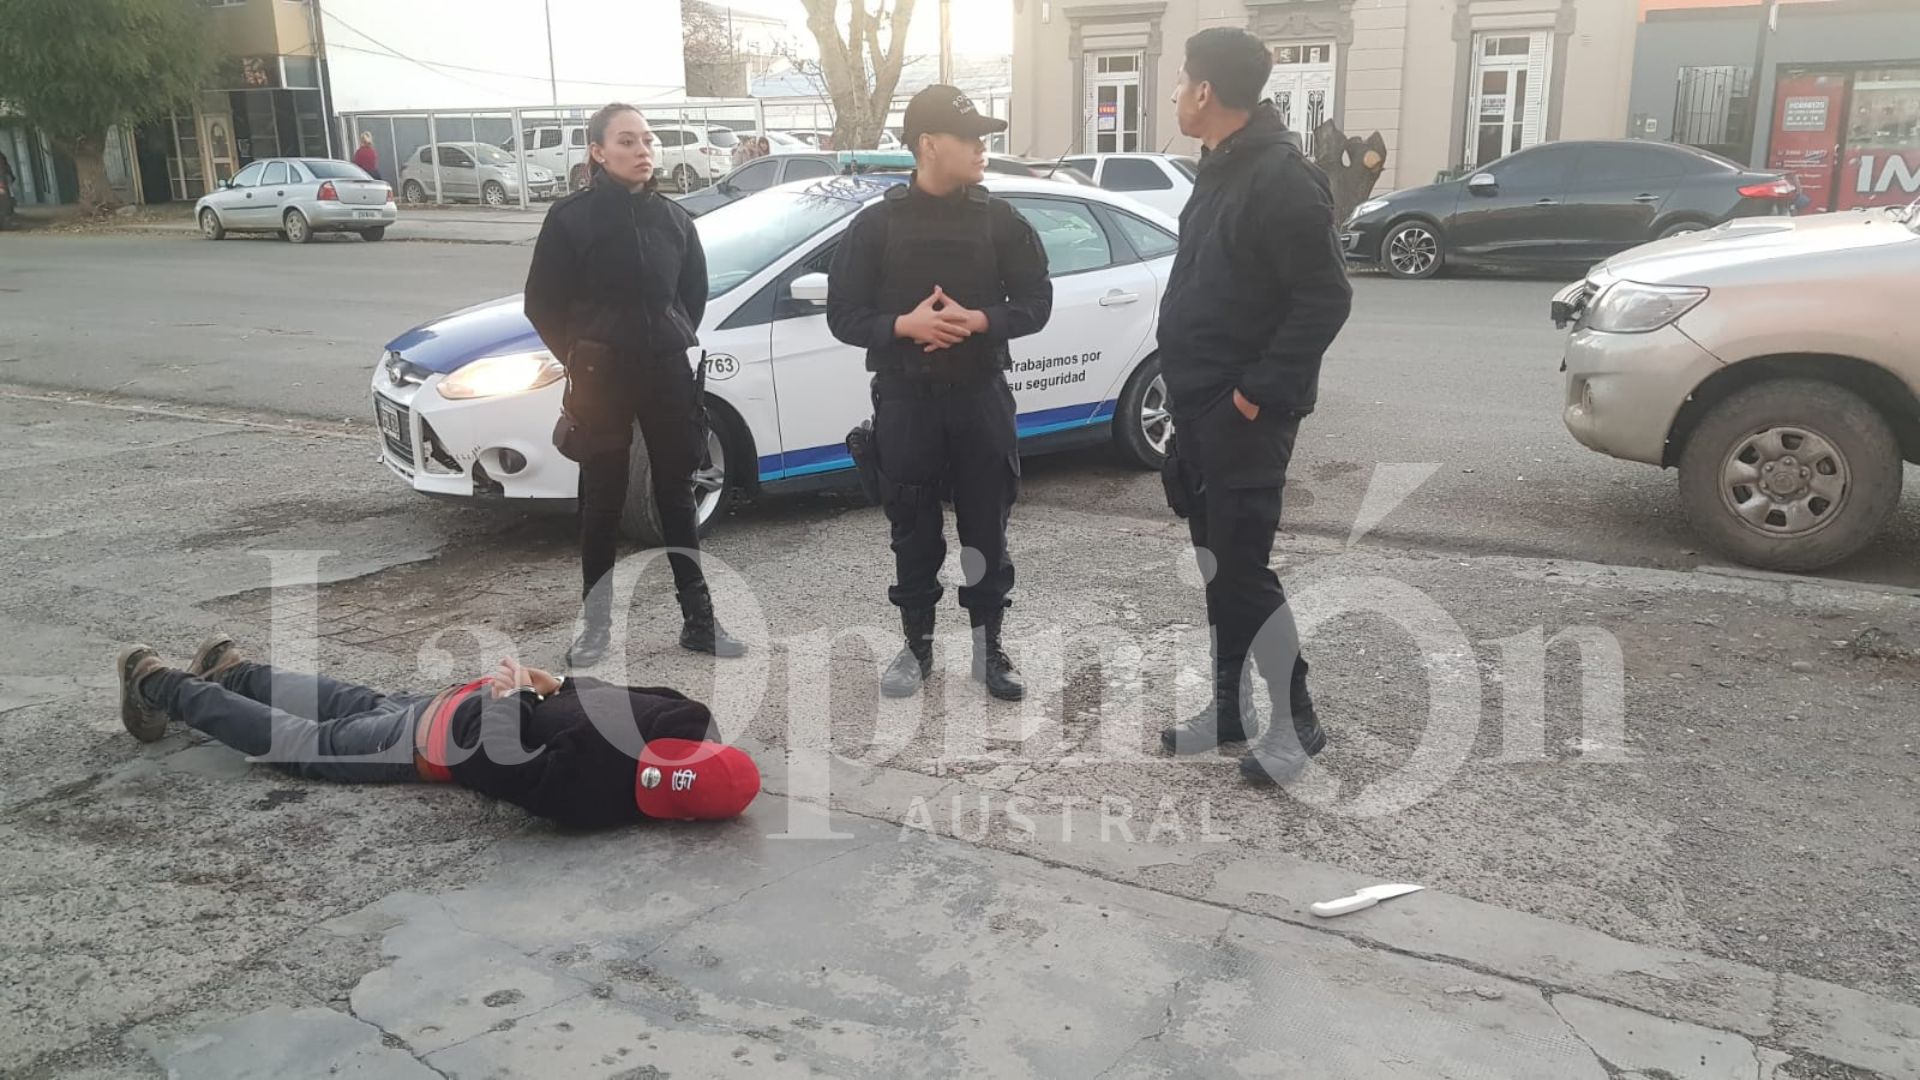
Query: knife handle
[{"x": 1327, "y": 909}]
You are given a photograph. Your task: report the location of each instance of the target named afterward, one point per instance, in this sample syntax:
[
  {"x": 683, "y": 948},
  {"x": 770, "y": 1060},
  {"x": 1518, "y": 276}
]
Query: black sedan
[{"x": 1561, "y": 206}]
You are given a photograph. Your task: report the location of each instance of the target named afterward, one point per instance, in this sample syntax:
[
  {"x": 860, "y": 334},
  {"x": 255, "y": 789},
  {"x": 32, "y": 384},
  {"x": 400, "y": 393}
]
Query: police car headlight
[
  {"x": 498, "y": 376},
  {"x": 1628, "y": 307}
]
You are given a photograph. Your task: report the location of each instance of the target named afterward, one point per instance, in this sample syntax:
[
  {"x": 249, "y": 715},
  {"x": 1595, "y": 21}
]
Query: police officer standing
[{"x": 933, "y": 281}]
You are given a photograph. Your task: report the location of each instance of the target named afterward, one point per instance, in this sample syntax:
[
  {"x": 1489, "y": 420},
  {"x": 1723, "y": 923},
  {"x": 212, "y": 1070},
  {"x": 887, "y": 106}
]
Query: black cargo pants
[
  {"x": 1231, "y": 472},
  {"x": 957, "y": 439}
]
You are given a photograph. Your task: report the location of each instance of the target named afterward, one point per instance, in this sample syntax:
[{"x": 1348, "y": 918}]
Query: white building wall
[{"x": 455, "y": 54}]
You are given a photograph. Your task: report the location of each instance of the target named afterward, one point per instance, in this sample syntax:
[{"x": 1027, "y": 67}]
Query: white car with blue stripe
[{"x": 467, "y": 404}]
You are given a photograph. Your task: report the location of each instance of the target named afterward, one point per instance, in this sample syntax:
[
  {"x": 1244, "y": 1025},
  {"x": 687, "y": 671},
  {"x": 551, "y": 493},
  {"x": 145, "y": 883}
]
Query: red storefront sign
[
  {"x": 1880, "y": 178},
  {"x": 1808, "y": 114}
]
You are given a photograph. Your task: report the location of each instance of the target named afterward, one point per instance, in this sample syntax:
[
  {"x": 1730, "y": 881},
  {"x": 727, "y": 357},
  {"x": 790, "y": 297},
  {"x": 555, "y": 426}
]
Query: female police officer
[{"x": 617, "y": 290}]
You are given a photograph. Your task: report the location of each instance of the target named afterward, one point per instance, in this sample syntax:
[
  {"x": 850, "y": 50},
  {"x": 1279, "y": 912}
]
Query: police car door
[
  {"x": 1104, "y": 305},
  {"x": 823, "y": 383}
]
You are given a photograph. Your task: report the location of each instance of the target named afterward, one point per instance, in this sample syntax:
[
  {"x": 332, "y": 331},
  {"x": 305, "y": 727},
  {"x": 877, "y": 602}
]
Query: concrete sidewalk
[
  {"x": 444, "y": 224},
  {"x": 170, "y": 908}
]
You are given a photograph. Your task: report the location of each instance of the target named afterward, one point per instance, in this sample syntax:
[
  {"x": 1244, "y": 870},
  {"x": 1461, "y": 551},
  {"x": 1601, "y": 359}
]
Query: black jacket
[
  {"x": 620, "y": 269},
  {"x": 974, "y": 246},
  {"x": 572, "y": 757},
  {"x": 1259, "y": 288}
]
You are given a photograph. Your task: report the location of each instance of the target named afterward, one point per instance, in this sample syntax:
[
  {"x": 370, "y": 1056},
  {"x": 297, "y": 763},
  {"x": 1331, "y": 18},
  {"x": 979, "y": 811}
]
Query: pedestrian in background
[
  {"x": 367, "y": 158},
  {"x": 1257, "y": 293},
  {"x": 933, "y": 281},
  {"x": 617, "y": 290}
]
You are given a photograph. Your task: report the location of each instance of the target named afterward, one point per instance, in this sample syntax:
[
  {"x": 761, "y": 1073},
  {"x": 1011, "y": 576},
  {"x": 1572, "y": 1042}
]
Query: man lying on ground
[{"x": 582, "y": 752}]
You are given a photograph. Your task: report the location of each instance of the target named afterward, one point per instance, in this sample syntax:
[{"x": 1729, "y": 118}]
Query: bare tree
[
  {"x": 1353, "y": 165},
  {"x": 712, "y": 52},
  {"x": 859, "y": 69}
]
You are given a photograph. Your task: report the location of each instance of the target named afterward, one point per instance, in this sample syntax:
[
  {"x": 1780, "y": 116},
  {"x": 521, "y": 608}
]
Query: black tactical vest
[{"x": 946, "y": 242}]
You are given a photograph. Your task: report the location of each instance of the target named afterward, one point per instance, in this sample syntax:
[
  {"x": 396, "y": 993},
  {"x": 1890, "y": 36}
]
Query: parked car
[
  {"x": 1162, "y": 181},
  {"x": 298, "y": 197},
  {"x": 759, "y": 175},
  {"x": 1772, "y": 362},
  {"x": 1562, "y": 205},
  {"x": 560, "y": 149},
  {"x": 692, "y": 156},
  {"x": 466, "y": 403},
  {"x": 472, "y": 172}
]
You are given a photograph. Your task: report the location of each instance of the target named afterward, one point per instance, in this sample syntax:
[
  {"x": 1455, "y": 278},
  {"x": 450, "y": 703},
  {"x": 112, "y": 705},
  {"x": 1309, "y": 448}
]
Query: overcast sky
[{"x": 979, "y": 26}]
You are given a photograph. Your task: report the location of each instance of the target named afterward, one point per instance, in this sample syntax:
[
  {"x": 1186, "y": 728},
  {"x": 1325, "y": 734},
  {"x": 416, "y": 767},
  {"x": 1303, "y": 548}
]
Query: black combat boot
[
  {"x": 1283, "y": 751},
  {"x": 1227, "y": 719},
  {"x": 701, "y": 632},
  {"x": 596, "y": 634},
  {"x": 910, "y": 669},
  {"x": 991, "y": 664}
]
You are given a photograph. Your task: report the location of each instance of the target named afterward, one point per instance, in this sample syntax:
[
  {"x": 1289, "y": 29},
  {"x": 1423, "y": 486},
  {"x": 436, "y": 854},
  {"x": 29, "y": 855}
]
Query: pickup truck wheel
[{"x": 1793, "y": 475}]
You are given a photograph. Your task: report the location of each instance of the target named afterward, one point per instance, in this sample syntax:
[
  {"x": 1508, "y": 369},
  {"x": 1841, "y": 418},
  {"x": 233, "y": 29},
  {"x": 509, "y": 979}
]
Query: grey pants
[{"x": 308, "y": 725}]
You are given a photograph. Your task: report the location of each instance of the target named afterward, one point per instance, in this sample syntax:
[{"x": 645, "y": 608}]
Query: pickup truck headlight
[
  {"x": 1628, "y": 307},
  {"x": 498, "y": 376}
]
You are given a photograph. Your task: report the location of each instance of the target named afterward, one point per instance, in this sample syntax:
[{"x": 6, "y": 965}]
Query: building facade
[
  {"x": 1447, "y": 83},
  {"x": 1838, "y": 102}
]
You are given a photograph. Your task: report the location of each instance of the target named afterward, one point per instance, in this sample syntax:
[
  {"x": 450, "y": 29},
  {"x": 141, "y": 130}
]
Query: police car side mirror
[{"x": 810, "y": 289}]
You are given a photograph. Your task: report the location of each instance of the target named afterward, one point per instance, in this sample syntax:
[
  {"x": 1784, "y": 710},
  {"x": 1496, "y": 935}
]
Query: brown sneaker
[
  {"x": 143, "y": 721},
  {"x": 216, "y": 656}
]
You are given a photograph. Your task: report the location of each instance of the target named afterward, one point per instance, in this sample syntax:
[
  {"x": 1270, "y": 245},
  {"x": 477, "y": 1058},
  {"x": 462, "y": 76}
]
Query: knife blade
[{"x": 1361, "y": 900}]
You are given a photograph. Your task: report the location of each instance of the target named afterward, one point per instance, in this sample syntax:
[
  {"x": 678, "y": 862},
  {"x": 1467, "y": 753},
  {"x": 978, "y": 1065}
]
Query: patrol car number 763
[{"x": 466, "y": 404}]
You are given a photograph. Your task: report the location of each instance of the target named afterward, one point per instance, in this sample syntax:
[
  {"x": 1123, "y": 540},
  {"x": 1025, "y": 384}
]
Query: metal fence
[
  {"x": 515, "y": 157},
  {"x": 1713, "y": 110}
]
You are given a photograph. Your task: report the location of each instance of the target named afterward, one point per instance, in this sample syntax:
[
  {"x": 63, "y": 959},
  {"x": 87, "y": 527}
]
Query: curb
[{"x": 1783, "y": 1010}]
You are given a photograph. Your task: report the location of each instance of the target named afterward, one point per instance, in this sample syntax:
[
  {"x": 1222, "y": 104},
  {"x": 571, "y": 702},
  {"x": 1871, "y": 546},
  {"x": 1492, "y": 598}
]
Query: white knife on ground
[{"x": 1361, "y": 900}]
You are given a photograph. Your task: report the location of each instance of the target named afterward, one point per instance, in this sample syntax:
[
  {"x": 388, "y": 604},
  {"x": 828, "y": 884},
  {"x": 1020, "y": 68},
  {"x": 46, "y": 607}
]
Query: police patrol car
[{"x": 467, "y": 404}]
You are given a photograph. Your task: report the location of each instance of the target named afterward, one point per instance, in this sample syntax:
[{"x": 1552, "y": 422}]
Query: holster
[
  {"x": 1181, "y": 480},
  {"x": 594, "y": 416}
]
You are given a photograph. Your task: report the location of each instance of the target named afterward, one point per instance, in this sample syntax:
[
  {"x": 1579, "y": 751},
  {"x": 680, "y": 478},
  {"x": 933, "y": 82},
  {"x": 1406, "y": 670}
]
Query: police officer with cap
[{"x": 934, "y": 281}]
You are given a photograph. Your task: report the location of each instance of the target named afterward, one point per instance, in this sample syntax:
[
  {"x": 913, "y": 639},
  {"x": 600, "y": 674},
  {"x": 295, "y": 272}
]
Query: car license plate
[
  {"x": 366, "y": 214},
  {"x": 390, "y": 423}
]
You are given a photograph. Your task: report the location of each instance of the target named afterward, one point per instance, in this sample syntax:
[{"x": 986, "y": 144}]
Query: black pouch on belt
[
  {"x": 1178, "y": 479},
  {"x": 595, "y": 418}
]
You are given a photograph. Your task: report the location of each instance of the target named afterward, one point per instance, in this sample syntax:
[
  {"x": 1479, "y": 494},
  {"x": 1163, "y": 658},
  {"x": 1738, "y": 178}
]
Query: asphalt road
[{"x": 1459, "y": 375}]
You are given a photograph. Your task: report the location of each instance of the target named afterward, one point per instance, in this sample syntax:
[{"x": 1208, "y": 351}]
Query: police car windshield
[{"x": 743, "y": 238}]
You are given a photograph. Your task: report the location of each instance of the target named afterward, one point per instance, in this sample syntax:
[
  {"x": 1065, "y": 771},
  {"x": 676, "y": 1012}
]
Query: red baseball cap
[{"x": 683, "y": 780}]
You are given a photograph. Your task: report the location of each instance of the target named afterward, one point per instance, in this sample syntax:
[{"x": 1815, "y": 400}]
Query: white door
[
  {"x": 1302, "y": 87},
  {"x": 1507, "y": 110},
  {"x": 1113, "y": 103},
  {"x": 1104, "y": 304}
]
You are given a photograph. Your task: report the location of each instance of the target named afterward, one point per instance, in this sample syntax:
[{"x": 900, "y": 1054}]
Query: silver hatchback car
[
  {"x": 472, "y": 172},
  {"x": 298, "y": 197},
  {"x": 1774, "y": 361}
]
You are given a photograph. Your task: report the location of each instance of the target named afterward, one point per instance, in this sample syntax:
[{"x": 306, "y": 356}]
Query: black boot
[
  {"x": 1284, "y": 751},
  {"x": 591, "y": 646},
  {"x": 910, "y": 669},
  {"x": 991, "y": 664},
  {"x": 701, "y": 632},
  {"x": 1227, "y": 719}
]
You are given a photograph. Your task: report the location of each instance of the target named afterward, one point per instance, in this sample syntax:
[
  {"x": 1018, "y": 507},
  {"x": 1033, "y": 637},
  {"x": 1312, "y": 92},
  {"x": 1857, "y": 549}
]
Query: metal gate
[{"x": 1713, "y": 110}]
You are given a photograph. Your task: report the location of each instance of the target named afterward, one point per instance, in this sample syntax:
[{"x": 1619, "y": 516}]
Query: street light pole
[
  {"x": 1769, "y": 19},
  {"x": 946, "y": 42},
  {"x": 553, "y": 78}
]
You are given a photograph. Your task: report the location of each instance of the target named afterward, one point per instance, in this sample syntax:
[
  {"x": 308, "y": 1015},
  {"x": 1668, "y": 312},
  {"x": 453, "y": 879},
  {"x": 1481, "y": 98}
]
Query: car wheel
[
  {"x": 582, "y": 178},
  {"x": 714, "y": 486},
  {"x": 1791, "y": 475},
  {"x": 210, "y": 226},
  {"x": 1681, "y": 228},
  {"x": 297, "y": 229},
  {"x": 1413, "y": 251},
  {"x": 494, "y": 193},
  {"x": 684, "y": 178},
  {"x": 374, "y": 235},
  {"x": 1142, "y": 422},
  {"x": 413, "y": 193}
]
